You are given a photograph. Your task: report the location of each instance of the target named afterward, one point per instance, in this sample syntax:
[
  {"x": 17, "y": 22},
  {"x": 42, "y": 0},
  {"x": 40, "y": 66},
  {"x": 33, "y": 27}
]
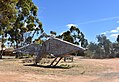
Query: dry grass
[
  {"x": 79, "y": 68},
  {"x": 72, "y": 68}
]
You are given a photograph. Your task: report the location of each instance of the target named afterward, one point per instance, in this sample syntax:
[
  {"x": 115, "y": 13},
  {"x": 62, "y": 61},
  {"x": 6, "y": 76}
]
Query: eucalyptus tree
[
  {"x": 53, "y": 33},
  {"x": 118, "y": 38},
  {"x": 17, "y": 18},
  {"x": 105, "y": 45},
  {"x": 26, "y": 22},
  {"x": 116, "y": 47},
  {"x": 7, "y": 17},
  {"x": 75, "y": 36},
  {"x": 94, "y": 50}
]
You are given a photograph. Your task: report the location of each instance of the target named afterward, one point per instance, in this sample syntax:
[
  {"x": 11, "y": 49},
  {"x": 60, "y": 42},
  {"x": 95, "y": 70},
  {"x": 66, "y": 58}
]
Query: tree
[
  {"x": 67, "y": 36},
  {"x": 105, "y": 45},
  {"x": 74, "y": 36},
  {"x": 116, "y": 47},
  {"x": 102, "y": 49},
  {"x": 26, "y": 22},
  {"x": 118, "y": 38},
  {"x": 17, "y": 18},
  {"x": 94, "y": 50},
  {"x": 53, "y": 33},
  {"x": 7, "y": 17}
]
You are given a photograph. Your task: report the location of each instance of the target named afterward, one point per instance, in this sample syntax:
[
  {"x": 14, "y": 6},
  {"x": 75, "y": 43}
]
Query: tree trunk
[
  {"x": 2, "y": 46},
  {"x": 17, "y": 55},
  {"x": 1, "y": 52}
]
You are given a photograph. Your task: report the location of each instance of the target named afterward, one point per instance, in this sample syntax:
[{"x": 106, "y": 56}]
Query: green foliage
[
  {"x": 7, "y": 15},
  {"x": 25, "y": 22},
  {"x": 7, "y": 12},
  {"x": 116, "y": 49},
  {"x": 94, "y": 51},
  {"x": 105, "y": 44},
  {"x": 118, "y": 38},
  {"x": 39, "y": 41},
  {"x": 53, "y": 33},
  {"x": 75, "y": 36},
  {"x": 18, "y": 21},
  {"x": 103, "y": 49},
  {"x": 7, "y": 18}
]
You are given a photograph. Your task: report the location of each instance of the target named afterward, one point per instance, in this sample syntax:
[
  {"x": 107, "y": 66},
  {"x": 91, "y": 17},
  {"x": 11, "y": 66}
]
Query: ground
[{"x": 81, "y": 70}]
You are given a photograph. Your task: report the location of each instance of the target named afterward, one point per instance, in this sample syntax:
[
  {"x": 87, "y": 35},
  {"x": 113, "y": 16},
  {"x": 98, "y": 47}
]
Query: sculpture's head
[{"x": 28, "y": 48}]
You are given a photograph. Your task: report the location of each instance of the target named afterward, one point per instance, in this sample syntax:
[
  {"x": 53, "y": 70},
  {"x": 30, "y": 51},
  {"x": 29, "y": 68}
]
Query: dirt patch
[{"x": 81, "y": 70}]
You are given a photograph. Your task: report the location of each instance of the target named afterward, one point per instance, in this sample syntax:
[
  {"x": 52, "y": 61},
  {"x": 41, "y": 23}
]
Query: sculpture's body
[
  {"x": 57, "y": 47},
  {"x": 29, "y": 49}
]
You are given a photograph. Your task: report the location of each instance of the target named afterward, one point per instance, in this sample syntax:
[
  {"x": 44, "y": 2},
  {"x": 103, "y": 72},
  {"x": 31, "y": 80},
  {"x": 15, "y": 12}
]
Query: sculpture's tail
[{"x": 41, "y": 54}]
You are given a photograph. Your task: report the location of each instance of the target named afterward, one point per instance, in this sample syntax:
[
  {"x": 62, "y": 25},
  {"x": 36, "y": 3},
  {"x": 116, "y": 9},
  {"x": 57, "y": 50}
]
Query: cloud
[
  {"x": 114, "y": 31},
  {"x": 114, "y": 35},
  {"x": 69, "y": 25},
  {"x": 100, "y": 20},
  {"x": 118, "y": 28},
  {"x": 105, "y": 32},
  {"x": 118, "y": 21}
]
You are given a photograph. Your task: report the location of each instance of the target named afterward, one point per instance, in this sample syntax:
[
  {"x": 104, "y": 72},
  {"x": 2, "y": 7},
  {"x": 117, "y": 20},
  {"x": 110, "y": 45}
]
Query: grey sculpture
[{"x": 54, "y": 46}]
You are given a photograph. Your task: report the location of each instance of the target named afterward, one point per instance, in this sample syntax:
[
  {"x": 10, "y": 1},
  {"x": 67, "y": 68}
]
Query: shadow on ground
[{"x": 48, "y": 66}]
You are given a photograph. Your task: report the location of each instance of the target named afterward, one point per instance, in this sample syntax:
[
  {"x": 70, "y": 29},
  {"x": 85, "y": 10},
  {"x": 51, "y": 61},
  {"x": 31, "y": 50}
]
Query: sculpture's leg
[
  {"x": 58, "y": 61},
  {"x": 38, "y": 58},
  {"x": 35, "y": 63},
  {"x": 53, "y": 61}
]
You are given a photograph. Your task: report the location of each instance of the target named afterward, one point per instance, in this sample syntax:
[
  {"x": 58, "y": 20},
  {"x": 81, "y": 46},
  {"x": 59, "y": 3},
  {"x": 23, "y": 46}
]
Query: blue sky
[{"x": 92, "y": 17}]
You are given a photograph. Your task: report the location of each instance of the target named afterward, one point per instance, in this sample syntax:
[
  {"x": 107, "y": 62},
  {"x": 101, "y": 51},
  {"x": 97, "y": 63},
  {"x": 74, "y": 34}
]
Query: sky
[{"x": 92, "y": 17}]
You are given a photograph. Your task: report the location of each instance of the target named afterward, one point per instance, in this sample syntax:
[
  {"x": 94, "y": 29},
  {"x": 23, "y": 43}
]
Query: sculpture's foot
[{"x": 35, "y": 63}]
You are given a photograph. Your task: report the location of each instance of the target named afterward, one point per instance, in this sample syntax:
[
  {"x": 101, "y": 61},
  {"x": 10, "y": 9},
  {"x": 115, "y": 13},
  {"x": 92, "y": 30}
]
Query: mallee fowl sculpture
[{"x": 54, "y": 46}]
